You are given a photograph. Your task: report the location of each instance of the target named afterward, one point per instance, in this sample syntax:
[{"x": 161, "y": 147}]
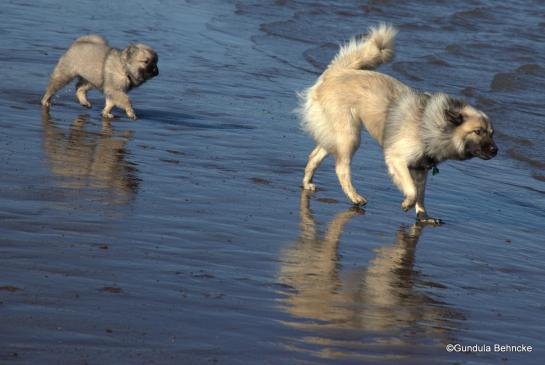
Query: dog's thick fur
[
  {"x": 416, "y": 130},
  {"x": 97, "y": 65}
]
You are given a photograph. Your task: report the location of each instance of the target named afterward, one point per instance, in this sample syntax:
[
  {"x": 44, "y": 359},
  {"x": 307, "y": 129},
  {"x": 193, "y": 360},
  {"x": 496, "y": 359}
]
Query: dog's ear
[
  {"x": 453, "y": 111},
  {"x": 131, "y": 50}
]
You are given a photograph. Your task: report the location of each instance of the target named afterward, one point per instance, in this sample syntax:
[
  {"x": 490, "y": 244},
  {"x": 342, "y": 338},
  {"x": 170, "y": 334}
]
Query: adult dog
[{"x": 416, "y": 130}]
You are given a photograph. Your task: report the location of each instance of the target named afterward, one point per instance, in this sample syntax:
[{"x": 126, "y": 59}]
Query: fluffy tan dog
[{"x": 416, "y": 130}]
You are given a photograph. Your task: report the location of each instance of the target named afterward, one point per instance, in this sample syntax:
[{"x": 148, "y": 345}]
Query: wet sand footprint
[
  {"x": 10, "y": 288},
  {"x": 260, "y": 181},
  {"x": 166, "y": 160},
  {"x": 327, "y": 200},
  {"x": 173, "y": 161}
]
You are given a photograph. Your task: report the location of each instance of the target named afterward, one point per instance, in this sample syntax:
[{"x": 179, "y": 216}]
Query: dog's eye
[{"x": 477, "y": 132}]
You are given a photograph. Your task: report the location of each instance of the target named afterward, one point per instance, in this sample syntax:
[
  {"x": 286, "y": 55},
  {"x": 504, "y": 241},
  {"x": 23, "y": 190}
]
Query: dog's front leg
[
  {"x": 119, "y": 99},
  {"x": 419, "y": 177},
  {"x": 399, "y": 171}
]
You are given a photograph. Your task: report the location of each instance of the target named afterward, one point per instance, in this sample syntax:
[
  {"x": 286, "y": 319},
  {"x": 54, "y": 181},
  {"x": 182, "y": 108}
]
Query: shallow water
[{"x": 184, "y": 237}]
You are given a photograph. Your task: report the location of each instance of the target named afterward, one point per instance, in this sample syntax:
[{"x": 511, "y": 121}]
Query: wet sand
[{"x": 184, "y": 237}]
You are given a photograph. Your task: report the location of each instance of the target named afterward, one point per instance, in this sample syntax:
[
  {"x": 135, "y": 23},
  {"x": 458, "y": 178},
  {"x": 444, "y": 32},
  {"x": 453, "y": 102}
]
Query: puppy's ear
[
  {"x": 453, "y": 112},
  {"x": 131, "y": 50}
]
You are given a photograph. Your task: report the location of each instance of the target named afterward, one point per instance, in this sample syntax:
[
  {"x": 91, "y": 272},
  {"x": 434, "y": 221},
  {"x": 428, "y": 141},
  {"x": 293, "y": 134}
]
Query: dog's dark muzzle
[
  {"x": 151, "y": 70},
  {"x": 489, "y": 151}
]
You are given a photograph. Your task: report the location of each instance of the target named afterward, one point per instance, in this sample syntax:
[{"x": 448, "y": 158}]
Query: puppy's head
[
  {"x": 140, "y": 62},
  {"x": 472, "y": 130}
]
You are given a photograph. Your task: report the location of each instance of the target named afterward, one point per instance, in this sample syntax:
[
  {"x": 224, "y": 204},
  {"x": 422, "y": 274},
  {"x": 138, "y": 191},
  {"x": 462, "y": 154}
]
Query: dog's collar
[{"x": 426, "y": 163}]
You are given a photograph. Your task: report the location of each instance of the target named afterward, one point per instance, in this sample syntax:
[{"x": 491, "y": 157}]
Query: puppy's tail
[
  {"x": 367, "y": 53},
  {"x": 92, "y": 38}
]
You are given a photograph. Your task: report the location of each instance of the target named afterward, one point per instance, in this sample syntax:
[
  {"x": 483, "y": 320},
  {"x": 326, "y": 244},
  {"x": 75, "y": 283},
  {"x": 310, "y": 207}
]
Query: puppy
[
  {"x": 416, "y": 130},
  {"x": 112, "y": 71}
]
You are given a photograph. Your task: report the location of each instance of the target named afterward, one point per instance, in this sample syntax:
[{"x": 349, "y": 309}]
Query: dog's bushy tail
[
  {"x": 92, "y": 38},
  {"x": 367, "y": 53}
]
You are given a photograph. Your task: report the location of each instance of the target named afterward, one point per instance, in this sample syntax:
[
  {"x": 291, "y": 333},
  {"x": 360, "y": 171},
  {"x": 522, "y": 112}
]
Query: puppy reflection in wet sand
[
  {"x": 379, "y": 301},
  {"x": 86, "y": 159},
  {"x": 97, "y": 65}
]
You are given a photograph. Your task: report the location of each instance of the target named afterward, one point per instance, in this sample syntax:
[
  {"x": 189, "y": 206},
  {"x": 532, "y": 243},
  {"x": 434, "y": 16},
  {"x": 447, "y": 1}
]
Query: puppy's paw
[
  {"x": 407, "y": 204},
  {"x": 46, "y": 103},
  {"x": 86, "y": 104},
  {"x": 359, "y": 200},
  {"x": 108, "y": 115},
  {"x": 309, "y": 186},
  {"x": 132, "y": 116}
]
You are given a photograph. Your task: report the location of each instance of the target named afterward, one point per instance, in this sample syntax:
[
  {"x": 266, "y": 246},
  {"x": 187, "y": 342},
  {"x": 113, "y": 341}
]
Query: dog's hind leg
[
  {"x": 419, "y": 177},
  {"x": 342, "y": 168},
  {"x": 314, "y": 160},
  {"x": 59, "y": 78},
  {"x": 399, "y": 171},
  {"x": 81, "y": 92}
]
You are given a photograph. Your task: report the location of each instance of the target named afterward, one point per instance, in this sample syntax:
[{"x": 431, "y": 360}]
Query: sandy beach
[{"x": 185, "y": 238}]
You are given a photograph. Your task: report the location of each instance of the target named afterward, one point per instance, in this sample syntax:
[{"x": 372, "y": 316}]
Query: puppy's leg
[
  {"x": 119, "y": 99},
  {"x": 107, "y": 111},
  {"x": 59, "y": 78},
  {"x": 419, "y": 177},
  {"x": 314, "y": 160},
  {"x": 342, "y": 167},
  {"x": 399, "y": 171},
  {"x": 81, "y": 92}
]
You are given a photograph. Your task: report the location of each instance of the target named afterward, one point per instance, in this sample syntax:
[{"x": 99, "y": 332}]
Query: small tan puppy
[
  {"x": 97, "y": 65},
  {"x": 416, "y": 130}
]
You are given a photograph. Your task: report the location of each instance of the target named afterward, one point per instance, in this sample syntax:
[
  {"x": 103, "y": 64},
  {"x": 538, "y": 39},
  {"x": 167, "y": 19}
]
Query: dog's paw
[
  {"x": 86, "y": 104},
  {"x": 108, "y": 116},
  {"x": 46, "y": 103},
  {"x": 356, "y": 210},
  {"x": 407, "y": 204},
  {"x": 423, "y": 218},
  {"x": 359, "y": 200},
  {"x": 309, "y": 186},
  {"x": 131, "y": 115},
  {"x": 430, "y": 221}
]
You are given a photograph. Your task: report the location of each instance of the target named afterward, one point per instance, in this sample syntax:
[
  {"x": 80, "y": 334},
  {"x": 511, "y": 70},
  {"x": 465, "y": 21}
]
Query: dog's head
[
  {"x": 472, "y": 130},
  {"x": 141, "y": 63}
]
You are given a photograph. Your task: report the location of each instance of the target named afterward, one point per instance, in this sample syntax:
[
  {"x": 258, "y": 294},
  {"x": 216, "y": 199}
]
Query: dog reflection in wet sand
[
  {"x": 88, "y": 159},
  {"x": 380, "y": 300}
]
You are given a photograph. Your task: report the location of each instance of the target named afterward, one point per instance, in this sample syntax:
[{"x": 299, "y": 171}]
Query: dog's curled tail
[
  {"x": 92, "y": 38},
  {"x": 369, "y": 52}
]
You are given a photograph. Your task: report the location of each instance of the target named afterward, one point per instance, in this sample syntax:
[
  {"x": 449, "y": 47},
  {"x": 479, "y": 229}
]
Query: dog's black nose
[
  {"x": 493, "y": 150},
  {"x": 155, "y": 71}
]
